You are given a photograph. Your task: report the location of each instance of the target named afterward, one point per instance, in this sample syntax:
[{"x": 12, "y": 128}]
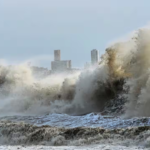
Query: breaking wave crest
[{"x": 122, "y": 73}]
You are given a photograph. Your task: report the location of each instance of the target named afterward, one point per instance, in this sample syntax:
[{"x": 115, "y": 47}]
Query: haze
[{"x": 32, "y": 29}]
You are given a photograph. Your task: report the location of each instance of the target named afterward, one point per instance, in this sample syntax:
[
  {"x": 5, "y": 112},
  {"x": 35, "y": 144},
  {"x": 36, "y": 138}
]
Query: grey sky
[{"x": 30, "y": 28}]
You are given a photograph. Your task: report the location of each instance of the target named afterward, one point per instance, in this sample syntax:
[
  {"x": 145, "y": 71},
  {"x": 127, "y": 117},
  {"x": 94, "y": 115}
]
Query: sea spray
[{"x": 122, "y": 73}]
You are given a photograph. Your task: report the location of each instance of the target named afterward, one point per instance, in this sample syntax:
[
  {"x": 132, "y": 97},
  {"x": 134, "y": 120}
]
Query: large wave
[{"x": 123, "y": 71}]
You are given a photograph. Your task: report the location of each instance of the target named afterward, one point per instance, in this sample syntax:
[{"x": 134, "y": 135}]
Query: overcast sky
[{"x": 32, "y": 29}]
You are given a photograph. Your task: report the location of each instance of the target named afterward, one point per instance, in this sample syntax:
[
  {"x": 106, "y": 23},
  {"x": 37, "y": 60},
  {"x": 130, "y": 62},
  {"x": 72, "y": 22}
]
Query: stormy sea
[{"x": 106, "y": 106}]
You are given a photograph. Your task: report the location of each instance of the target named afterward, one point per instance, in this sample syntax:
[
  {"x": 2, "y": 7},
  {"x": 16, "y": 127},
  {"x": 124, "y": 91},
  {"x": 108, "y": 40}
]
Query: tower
[
  {"x": 94, "y": 56},
  {"x": 59, "y": 65},
  {"x": 57, "y": 55}
]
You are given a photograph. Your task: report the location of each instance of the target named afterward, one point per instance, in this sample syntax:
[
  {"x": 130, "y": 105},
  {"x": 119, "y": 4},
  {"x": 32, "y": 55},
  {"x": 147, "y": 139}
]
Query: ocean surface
[
  {"x": 92, "y": 120},
  {"x": 92, "y": 147},
  {"x": 88, "y": 121}
]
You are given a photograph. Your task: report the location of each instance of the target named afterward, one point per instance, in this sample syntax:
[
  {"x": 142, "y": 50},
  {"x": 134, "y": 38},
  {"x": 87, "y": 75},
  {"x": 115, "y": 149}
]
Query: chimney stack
[
  {"x": 94, "y": 56},
  {"x": 57, "y": 55}
]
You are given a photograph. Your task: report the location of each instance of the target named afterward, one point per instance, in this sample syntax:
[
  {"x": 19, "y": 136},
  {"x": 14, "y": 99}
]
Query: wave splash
[{"x": 123, "y": 72}]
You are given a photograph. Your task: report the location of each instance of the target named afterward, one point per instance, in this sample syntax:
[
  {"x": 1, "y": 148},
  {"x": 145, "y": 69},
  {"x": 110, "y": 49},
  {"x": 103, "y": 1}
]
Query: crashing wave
[{"x": 122, "y": 76}]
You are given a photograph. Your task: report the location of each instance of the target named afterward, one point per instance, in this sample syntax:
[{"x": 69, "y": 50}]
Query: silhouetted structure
[
  {"x": 57, "y": 55},
  {"x": 59, "y": 65},
  {"x": 94, "y": 56}
]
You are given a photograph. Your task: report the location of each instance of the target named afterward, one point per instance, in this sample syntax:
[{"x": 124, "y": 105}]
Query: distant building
[
  {"x": 57, "y": 55},
  {"x": 94, "y": 56},
  {"x": 59, "y": 65}
]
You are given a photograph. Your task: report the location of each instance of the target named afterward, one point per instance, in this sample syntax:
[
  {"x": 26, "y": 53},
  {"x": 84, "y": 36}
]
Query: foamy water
[
  {"x": 90, "y": 120},
  {"x": 95, "y": 147}
]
